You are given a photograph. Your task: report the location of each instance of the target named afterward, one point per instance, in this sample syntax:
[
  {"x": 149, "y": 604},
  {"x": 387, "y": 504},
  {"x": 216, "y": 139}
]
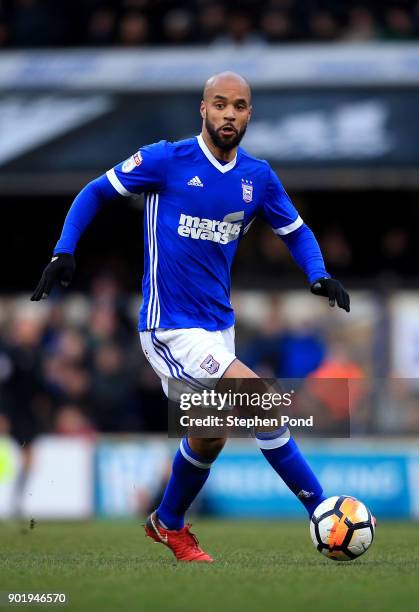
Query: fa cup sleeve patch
[{"x": 132, "y": 162}]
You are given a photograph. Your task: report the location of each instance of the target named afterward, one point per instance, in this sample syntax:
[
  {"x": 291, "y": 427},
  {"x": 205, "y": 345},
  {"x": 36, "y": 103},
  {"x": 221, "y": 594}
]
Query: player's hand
[
  {"x": 332, "y": 289},
  {"x": 59, "y": 270}
]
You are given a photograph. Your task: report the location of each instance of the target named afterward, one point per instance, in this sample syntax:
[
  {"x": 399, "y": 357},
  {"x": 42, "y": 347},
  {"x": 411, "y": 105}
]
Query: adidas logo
[{"x": 195, "y": 182}]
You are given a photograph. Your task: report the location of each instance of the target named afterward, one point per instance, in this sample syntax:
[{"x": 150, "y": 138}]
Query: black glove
[
  {"x": 332, "y": 289},
  {"x": 59, "y": 270}
]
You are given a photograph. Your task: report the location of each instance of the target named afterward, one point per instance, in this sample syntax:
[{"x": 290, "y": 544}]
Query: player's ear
[
  {"x": 250, "y": 113},
  {"x": 203, "y": 109}
]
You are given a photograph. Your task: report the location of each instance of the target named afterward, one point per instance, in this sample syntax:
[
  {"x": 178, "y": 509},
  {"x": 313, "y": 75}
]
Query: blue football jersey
[{"x": 197, "y": 209}]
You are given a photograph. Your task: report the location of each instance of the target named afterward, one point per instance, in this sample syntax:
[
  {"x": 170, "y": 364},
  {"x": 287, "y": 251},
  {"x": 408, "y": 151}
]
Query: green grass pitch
[{"x": 268, "y": 565}]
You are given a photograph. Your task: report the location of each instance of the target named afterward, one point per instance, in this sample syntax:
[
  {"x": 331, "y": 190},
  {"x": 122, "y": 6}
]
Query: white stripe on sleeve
[
  {"x": 287, "y": 229},
  {"x": 116, "y": 183}
]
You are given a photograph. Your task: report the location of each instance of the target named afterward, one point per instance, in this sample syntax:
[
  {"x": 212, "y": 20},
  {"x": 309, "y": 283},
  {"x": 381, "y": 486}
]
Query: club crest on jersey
[
  {"x": 247, "y": 187},
  {"x": 210, "y": 365},
  {"x": 132, "y": 162}
]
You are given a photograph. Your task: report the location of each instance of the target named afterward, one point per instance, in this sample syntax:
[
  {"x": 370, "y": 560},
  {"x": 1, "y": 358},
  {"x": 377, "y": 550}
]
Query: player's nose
[{"x": 230, "y": 114}]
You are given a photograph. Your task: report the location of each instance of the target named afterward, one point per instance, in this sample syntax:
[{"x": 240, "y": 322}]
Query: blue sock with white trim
[
  {"x": 189, "y": 474},
  {"x": 282, "y": 452}
]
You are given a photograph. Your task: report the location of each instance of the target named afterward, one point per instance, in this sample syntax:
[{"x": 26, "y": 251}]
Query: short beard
[{"x": 218, "y": 141}]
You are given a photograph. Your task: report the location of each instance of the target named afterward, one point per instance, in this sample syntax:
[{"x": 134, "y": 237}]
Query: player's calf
[
  {"x": 189, "y": 473},
  {"x": 283, "y": 454}
]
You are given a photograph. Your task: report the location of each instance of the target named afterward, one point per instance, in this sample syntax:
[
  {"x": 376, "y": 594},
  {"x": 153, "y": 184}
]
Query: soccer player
[{"x": 201, "y": 196}]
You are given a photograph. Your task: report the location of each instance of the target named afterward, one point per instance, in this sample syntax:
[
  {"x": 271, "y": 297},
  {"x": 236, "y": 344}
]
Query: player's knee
[{"x": 207, "y": 447}]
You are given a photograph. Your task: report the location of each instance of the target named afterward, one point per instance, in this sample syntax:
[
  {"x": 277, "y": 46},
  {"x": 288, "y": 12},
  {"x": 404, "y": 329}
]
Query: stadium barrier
[
  {"x": 328, "y": 116},
  {"x": 76, "y": 478},
  {"x": 180, "y": 69}
]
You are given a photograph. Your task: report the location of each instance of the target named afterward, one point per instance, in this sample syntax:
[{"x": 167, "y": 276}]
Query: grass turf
[{"x": 110, "y": 566}]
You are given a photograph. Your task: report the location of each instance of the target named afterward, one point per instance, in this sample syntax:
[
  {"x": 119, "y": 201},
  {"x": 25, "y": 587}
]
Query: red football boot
[{"x": 183, "y": 544}]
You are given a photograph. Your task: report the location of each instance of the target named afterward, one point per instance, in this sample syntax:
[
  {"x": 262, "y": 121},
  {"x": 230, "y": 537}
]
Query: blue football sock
[
  {"x": 189, "y": 474},
  {"x": 285, "y": 457}
]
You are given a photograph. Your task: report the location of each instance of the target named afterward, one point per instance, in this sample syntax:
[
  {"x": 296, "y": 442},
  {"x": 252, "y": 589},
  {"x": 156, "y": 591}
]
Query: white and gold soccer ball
[{"x": 342, "y": 528}]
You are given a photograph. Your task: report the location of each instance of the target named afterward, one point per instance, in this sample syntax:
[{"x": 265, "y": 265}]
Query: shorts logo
[
  {"x": 132, "y": 162},
  {"x": 210, "y": 365},
  {"x": 247, "y": 187}
]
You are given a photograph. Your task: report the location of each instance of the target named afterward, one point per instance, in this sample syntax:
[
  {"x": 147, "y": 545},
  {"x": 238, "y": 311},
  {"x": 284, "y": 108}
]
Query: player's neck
[{"x": 218, "y": 153}]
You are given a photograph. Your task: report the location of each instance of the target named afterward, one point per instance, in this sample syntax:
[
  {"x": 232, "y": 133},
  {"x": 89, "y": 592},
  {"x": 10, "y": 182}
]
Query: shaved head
[
  {"x": 226, "y": 108},
  {"x": 224, "y": 80}
]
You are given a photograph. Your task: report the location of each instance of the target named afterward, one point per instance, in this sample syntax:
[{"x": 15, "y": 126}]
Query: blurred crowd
[
  {"x": 43, "y": 23},
  {"x": 381, "y": 253},
  {"x": 74, "y": 366}
]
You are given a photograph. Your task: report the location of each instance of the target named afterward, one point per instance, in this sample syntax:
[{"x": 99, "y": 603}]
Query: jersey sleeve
[
  {"x": 145, "y": 170},
  {"x": 277, "y": 208}
]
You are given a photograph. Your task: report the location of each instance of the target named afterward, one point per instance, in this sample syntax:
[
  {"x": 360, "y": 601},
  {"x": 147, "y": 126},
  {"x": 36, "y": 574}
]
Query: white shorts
[{"x": 189, "y": 355}]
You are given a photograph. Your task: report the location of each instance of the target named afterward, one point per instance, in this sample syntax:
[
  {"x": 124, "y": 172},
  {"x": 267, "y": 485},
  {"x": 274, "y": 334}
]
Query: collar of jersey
[{"x": 214, "y": 161}]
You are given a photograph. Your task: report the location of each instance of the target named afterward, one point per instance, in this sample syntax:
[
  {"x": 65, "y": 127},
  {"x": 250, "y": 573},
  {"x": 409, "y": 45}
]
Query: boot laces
[{"x": 184, "y": 544}]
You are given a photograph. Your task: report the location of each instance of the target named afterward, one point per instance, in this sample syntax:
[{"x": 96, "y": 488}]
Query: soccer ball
[{"x": 342, "y": 528}]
